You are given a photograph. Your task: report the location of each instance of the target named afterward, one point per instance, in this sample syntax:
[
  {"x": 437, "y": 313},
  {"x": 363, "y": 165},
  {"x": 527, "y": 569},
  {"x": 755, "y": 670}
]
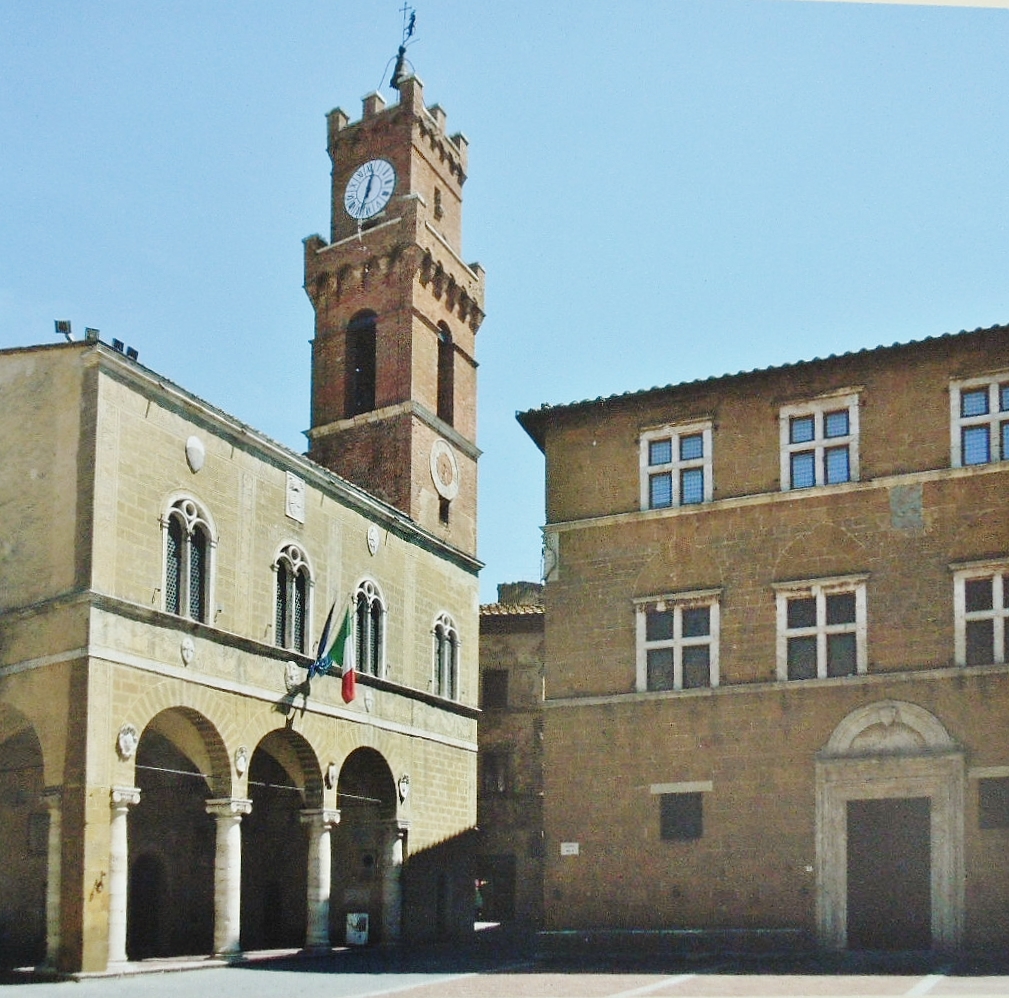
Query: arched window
[
  {"x": 446, "y": 657},
  {"x": 188, "y": 547},
  {"x": 446, "y": 374},
  {"x": 361, "y": 340},
  {"x": 370, "y": 629},
  {"x": 293, "y": 585}
]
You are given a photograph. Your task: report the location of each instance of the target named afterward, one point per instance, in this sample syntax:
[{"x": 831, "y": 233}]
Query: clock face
[{"x": 369, "y": 189}]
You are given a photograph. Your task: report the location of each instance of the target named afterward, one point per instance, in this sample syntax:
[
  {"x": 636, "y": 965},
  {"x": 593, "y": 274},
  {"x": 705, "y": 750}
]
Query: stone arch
[
  {"x": 24, "y": 817},
  {"x": 368, "y": 845},
  {"x": 285, "y": 780},
  {"x": 180, "y": 763},
  {"x": 885, "y": 728},
  {"x": 891, "y": 750}
]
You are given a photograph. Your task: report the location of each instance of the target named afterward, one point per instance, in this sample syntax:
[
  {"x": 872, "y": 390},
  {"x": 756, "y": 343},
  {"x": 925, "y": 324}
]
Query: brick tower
[{"x": 396, "y": 316}]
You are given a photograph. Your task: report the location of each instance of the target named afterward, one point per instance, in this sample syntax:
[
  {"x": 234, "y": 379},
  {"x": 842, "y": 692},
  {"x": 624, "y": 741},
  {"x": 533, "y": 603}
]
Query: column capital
[
  {"x": 52, "y": 797},
  {"x": 124, "y": 797},
  {"x": 234, "y": 807},
  {"x": 323, "y": 817}
]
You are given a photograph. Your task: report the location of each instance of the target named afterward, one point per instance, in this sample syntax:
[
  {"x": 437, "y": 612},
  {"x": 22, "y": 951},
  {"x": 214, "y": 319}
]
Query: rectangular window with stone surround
[
  {"x": 821, "y": 628},
  {"x": 681, "y": 810},
  {"x": 675, "y": 466},
  {"x": 980, "y": 609},
  {"x": 819, "y": 441},
  {"x": 677, "y": 641},
  {"x": 979, "y": 420}
]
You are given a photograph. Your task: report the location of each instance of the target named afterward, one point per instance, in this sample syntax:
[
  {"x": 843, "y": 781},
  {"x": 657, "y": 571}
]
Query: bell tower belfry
[{"x": 396, "y": 316}]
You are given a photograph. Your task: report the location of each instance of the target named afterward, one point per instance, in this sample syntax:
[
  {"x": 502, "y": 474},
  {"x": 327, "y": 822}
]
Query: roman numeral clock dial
[{"x": 369, "y": 189}]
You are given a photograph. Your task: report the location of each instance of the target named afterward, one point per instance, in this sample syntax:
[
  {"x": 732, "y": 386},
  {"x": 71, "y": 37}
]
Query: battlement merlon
[{"x": 411, "y": 99}]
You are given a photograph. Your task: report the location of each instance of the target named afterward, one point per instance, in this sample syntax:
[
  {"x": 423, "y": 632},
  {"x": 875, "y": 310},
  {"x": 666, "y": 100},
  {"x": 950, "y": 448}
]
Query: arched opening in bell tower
[
  {"x": 361, "y": 366},
  {"x": 446, "y": 374}
]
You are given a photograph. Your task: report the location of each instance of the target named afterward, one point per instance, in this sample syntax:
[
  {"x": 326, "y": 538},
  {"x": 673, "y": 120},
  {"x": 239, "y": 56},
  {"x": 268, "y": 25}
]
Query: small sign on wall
[{"x": 569, "y": 848}]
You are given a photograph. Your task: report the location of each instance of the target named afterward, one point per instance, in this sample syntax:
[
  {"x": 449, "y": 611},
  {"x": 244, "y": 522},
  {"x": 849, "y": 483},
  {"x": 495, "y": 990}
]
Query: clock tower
[{"x": 396, "y": 316}]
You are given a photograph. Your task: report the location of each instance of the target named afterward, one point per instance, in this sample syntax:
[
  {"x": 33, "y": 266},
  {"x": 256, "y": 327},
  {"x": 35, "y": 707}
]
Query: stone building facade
[
  {"x": 509, "y": 864},
  {"x": 172, "y": 778},
  {"x": 777, "y": 691}
]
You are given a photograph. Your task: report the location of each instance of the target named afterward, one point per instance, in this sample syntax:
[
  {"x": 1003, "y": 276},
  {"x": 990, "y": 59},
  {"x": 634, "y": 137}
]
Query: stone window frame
[
  {"x": 996, "y": 418},
  {"x": 844, "y": 399},
  {"x": 445, "y": 657},
  {"x": 676, "y": 466},
  {"x": 695, "y": 789},
  {"x": 192, "y": 517},
  {"x": 996, "y": 569},
  {"x": 677, "y": 602},
  {"x": 292, "y": 559},
  {"x": 819, "y": 589},
  {"x": 370, "y": 628}
]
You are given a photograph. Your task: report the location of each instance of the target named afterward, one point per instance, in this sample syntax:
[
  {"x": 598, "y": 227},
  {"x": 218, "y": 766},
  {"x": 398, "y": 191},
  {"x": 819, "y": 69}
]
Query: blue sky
[{"x": 659, "y": 191}]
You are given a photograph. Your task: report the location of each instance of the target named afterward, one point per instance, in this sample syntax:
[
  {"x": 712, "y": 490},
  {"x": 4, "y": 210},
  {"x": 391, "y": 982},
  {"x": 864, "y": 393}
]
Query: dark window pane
[
  {"x": 198, "y": 575},
  {"x": 660, "y": 452},
  {"x": 660, "y": 491},
  {"x": 835, "y": 424},
  {"x": 283, "y": 574},
  {"x": 494, "y": 692},
  {"x": 802, "y": 612},
  {"x": 993, "y": 802},
  {"x": 376, "y": 639},
  {"x": 173, "y": 566},
  {"x": 978, "y": 594},
  {"x": 841, "y": 608},
  {"x": 980, "y": 642},
  {"x": 494, "y": 775},
  {"x": 696, "y": 667},
  {"x": 696, "y": 621},
  {"x": 1003, "y": 398},
  {"x": 803, "y": 470},
  {"x": 658, "y": 625},
  {"x": 836, "y": 466},
  {"x": 300, "y": 609},
  {"x": 974, "y": 402},
  {"x": 1004, "y": 439},
  {"x": 841, "y": 655},
  {"x": 802, "y": 658},
  {"x": 691, "y": 486},
  {"x": 801, "y": 429},
  {"x": 691, "y": 447},
  {"x": 680, "y": 817},
  {"x": 660, "y": 669},
  {"x": 976, "y": 448}
]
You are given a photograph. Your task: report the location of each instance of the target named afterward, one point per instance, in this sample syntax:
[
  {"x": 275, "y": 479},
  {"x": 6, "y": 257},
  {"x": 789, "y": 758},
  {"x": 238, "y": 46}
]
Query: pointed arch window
[
  {"x": 446, "y": 657},
  {"x": 188, "y": 548},
  {"x": 446, "y": 374},
  {"x": 369, "y": 614},
  {"x": 361, "y": 367},
  {"x": 294, "y": 582}
]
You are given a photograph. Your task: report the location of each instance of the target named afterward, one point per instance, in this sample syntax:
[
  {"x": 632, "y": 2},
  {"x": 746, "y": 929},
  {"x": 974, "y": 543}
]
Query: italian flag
[{"x": 341, "y": 653}]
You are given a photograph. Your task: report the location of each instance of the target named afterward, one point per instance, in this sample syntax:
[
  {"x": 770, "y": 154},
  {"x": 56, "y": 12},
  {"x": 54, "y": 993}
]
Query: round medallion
[{"x": 444, "y": 469}]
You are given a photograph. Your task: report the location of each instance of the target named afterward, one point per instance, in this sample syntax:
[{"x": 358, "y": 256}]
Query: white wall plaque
[
  {"x": 569, "y": 848},
  {"x": 295, "y": 506}
]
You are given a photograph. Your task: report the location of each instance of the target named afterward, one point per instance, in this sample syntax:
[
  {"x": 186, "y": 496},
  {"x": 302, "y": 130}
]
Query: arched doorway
[
  {"x": 365, "y": 869},
  {"x": 181, "y": 763},
  {"x": 890, "y": 787},
  {"x": 284, "y": 780},
  {"x": 24, "y": 819}
]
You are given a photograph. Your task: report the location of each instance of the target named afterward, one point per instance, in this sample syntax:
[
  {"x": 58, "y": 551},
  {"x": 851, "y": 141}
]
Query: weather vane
[{"x": 399, "y": 74}]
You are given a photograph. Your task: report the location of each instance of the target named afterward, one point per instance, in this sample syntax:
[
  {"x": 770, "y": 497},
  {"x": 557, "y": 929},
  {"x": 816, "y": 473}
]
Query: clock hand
[{"x": 367, "y": 189}]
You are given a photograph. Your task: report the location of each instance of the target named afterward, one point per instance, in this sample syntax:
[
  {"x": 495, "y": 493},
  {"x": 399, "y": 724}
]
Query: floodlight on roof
[
  {"x": 132, "y": 353},
  {"x": 118, "y": 346},
  {"x": 63, "y": 329},
  {"x": 91, "y": 335}
]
